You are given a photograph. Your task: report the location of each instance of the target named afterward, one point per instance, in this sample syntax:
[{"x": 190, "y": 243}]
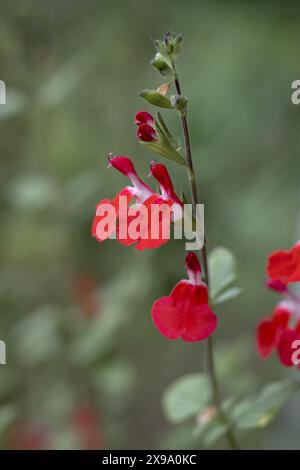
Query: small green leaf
[
  {"x": 156, "y": 98},
  {"x": 227, "y": 295},
  {"x": 186, "y": 397},
  {"x": 222, "y": 270},
  {"x": 259, "y": 411}
]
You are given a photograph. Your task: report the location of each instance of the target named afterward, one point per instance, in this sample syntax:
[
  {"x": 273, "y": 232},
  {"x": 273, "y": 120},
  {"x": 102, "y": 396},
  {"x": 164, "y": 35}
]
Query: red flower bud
[
  {"x": 122, "y": 164},
  {"x": 146, "y": 133},
  {"x": 142, "y": 117},
  {"x": 277, "y": 285}
]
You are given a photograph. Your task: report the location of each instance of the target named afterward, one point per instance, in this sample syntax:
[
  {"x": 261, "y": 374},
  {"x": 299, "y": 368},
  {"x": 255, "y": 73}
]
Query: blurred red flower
[
  {"x": 85, "y": 291},
  {"x": 86, "y": 425},
  {"x": 281, "y": 330}
]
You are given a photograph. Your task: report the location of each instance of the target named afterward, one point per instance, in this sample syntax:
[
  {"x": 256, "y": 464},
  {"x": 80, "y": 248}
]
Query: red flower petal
[
  {"x": 122, "y": 164},
  {"x": 197, "y": 294},
  {"x": 265, "y": 338},
  {"x": 281, "y": 316},
  {"x": 285, "y": 349},
  {"x": 161, "y": 174},
  {"x": 167, "y": 318},
  {"x": 277, "y": 285},
  {"x": 193, "y": 268},
  {"x": 104, "y": 222},
  {"x": 269, "y": 330},
  {"x": 199, "y": 324},
  {"x": 285, "y": 265}
]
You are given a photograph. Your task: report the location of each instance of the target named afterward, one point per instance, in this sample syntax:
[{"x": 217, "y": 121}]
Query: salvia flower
[
  {"x": 150, "y": 216},
  {"x": 146, "y": 127},
  {"x": 185, "y": 312},
  {"x": 285, "y": 265},
  {"x": 280, "y": 331}
]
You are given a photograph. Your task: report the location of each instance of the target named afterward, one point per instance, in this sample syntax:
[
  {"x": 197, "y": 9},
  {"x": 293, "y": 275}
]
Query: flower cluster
[
  {"x": 281, "y": 331},
  {"x": 185, "y": 313}
]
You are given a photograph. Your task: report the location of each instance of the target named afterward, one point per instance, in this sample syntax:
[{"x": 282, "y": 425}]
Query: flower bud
[
  {"x": 142, "y": 117},
  {"x": 277, "y": 285},
  {"x": 172, "y": 43},
  {"x": 161, "y": 64},
  {"x": 146, "y": 133},
  {"x": 179, "y": 102},
  {"x": 156, "y": 98}
]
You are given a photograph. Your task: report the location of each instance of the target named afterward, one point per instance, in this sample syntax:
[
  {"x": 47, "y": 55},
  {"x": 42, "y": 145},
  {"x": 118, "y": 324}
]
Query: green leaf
[
  {"x": 222, "y": 270},
  {"x": 156, "y": 98},
  {"x": 214, "y": 433},
  {"x": 259, "y": 411},
  {"x": 186, "y": 397},
  {"x": 227, "y": 295}
]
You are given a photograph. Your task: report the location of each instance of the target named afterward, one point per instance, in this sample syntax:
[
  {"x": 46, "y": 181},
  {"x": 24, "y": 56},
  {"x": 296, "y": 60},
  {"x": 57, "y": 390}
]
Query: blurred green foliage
[{"x": 85, "y": 367}]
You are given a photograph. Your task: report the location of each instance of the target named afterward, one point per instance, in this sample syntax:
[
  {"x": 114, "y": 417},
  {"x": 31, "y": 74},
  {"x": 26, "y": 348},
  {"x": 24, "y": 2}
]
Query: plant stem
[{"x": 195, "y": 200}]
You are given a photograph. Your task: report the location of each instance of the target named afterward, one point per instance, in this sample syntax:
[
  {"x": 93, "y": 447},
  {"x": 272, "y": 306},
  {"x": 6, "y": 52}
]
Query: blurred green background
[{"x": 85, "y": 367}]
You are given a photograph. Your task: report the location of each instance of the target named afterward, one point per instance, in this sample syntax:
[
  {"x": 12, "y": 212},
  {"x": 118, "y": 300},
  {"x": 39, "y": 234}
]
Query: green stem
[{"x": 195, "y": 200}]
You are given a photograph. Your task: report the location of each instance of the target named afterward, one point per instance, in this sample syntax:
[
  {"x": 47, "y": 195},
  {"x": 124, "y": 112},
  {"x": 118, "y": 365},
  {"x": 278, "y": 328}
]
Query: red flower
[
  {"x": 285, "y": 265},
  {"x": 270, "y": 329},
  {"x": 147, "y": 223},
  {"x": 155, "y": 224},
  {"x": 86, "y": 424},
  {"x": 280, "y": 332},
  {"x": 185, "y": 313},
  {"x": 146, "y": 130}
]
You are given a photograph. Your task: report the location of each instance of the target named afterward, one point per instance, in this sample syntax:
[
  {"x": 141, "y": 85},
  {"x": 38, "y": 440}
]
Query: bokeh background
[{"x": 85, "y": 367}]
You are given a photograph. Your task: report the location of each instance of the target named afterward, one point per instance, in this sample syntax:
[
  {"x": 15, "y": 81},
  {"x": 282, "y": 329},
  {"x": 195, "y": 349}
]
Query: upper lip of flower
[
  {"x": 140, "y": 190},
  {"x": 193, "y": 268},
  {"x": 160, "y": 173},
  {"x": 285, "y": 265}
]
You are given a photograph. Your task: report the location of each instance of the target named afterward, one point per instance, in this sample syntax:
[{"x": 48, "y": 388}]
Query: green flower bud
[
  {"x": 172, "y": 44},
  {"x": 161, "y": 64},
  {"x": 179, "y": 102},
  {"x": 156, "y": 98}
]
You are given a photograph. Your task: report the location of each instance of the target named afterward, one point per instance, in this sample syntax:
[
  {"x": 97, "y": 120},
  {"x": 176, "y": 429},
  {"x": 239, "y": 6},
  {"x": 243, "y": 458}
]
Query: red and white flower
[
  {"x": 146, "y": 223},
  {"x": 280, "y": 331},
  {"x": 185, "y": 312}
]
